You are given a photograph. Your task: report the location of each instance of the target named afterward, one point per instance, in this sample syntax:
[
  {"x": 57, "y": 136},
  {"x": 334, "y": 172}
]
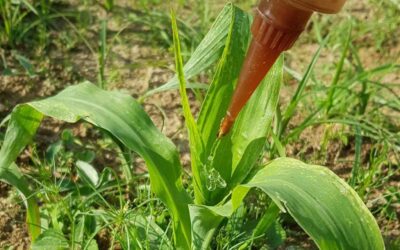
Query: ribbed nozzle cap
[{"x": 278, "y": 24}]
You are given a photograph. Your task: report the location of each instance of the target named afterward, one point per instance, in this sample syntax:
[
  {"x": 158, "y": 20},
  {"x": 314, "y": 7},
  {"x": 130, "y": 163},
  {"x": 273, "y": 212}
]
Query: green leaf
[
  {"x": 204, "y": 224},
  {"x": 195, "y": 141},
  {"x": 324, "y": 205},
  {"x": 50, "y": 240},
  {"x": 21, "y": 128},
  {"x": 216, "y": 104},
  {"x": 206, "y": 54},
  {"x": 125, "y": 119},
  {"x": 26, "y": 64},
  {"x": 79, "y": 230},
  {"x": 87, "y": 173},
  {"x": 254, "y": 124}
]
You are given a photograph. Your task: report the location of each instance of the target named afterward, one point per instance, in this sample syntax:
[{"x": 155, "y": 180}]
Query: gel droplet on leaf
[{"x": 215, "y": 180}]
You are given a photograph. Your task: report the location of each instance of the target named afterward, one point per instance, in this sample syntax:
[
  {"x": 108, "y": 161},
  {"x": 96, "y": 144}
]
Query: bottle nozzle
[{"x": 275, "y": 28}]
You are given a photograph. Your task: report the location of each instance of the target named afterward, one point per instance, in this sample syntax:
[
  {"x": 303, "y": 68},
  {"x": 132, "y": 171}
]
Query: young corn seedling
[{"x": 224, "y": 170}]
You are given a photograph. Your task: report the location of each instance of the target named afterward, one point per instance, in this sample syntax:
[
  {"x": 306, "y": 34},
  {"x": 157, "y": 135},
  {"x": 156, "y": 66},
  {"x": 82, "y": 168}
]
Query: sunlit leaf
[{"x": 324, "y": 205}]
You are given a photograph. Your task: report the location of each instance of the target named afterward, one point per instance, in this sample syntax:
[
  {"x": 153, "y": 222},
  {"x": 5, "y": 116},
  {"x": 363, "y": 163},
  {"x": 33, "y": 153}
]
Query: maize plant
[{"x": 223, "y": 170}]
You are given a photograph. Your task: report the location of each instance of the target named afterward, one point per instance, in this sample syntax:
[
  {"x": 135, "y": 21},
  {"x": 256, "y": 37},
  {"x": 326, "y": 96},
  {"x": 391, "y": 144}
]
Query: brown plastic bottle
[{"x": 276, "y": 26}]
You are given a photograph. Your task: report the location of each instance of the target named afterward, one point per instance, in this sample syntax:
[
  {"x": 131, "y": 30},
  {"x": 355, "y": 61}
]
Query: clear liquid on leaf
[{"x": 215, "y": 180}]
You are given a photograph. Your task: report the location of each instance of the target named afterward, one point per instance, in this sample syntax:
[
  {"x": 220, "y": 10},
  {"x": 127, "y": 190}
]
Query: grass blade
[
  {"x": 289, "y": 112},
  {"x": 339, "y": 70}
]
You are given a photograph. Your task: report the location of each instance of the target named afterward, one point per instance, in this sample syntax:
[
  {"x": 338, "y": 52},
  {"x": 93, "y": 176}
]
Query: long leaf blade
[
  {"x": 21, "y": 128},
  {"x": 195, "y": 140},
  {"x": 124, "y": 118},
  {"x": 324, "y": 205}
]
